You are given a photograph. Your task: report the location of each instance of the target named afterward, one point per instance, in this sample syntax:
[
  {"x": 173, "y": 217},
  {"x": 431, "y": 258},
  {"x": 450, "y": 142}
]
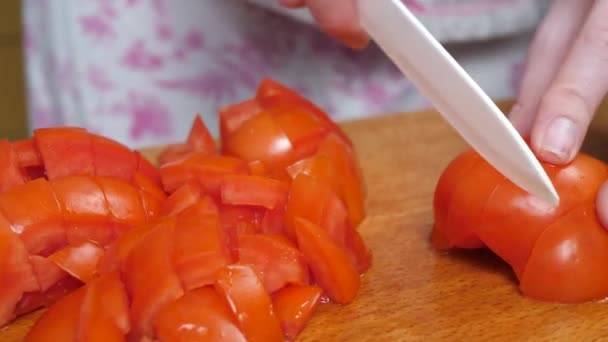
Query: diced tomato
[
  {"x": 273, "y": 220},
  {"x": 146, "y": 168},
  {"x": 200, "y": 315},
  {"x": 257, "y": 168},
  {"x": 360, "y": 254},
  {"x": 116, "y": 254},
  {"x": 303, "y": 128},
  {"x": 270, "y": 92},
  {"x": 237, "y": 220},
  {"x": 261, "y": 138},
  {"x": 10, "y": 173},
  {"x": 199, "y": 138},
  {"x": 55, "y": 144},
  {"x": 151, "y": 195},
  {"x": 27, "y": 153},
  {"x": 200, "y": 251},
  {"x": 150, "y": 279},
  {"x": 112, "y": 159},
  {"x": 277, "y": 261},
  {"x": 104, "y": 315},
  {"x": 123, "y": 201},
  {"x": 81, "y": 200},
  {"x": 60, "y": 321},
  {"x": 233, "y": 117},
  {"x": 295, "y": 305},
  {"x": 34, "y": 214},
  {"x": 253, "y": 190},
  {"x": 205, "y": 206},
  {"x": 35, "y": 300},
  {"x": 184, "y": 197},
  {"x": 15, "y": 270},
  {"x": 47, "y": 272},
  {"x": 207, "y": 170},
  {"x": 173, "y": 153},
  {"x": 330, "y": 264},
  {"x": 79, "y": 261},
  {"x": 250, "y": 303},
  {"x": 349, "y": 178}
]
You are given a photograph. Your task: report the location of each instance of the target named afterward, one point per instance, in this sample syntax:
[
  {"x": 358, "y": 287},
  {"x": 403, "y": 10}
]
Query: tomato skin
[
  {"x": 233, "y": 117},
  {"x": 295, "y": 306},
  {"x": 184, "y": 321},
  {"x": 555, "y": 252},
  {"x": 55, "y": 144},
  {"x": 330, "y": 264},
  {"x": 251, "y": 304}
]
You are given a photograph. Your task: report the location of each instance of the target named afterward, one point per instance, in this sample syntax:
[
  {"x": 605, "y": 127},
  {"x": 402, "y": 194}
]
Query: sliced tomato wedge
[
  {"x": 47, "y": 272},
  {"x": 184, "y": 197},
  {"x": 330, "y": 264},
  {"x": 200, "y": 315},
  {"x": 241, "y": 287},
  {"x": 173, "y": 152},
  {"x": 277, "y": 261},
  {"x": 199, "y": 138},
  {"x": 295, "y": 305},
  {"x": 112, "y": 159}
]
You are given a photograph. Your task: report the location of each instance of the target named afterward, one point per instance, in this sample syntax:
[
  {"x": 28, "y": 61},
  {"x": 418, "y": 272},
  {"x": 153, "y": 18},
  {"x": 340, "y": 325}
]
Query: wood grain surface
[{"x": 413, "y": 293}]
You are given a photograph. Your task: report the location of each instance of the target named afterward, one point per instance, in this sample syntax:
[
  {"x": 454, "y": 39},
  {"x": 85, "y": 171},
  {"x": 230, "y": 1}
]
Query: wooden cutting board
[{"x": 413, "y": 293}]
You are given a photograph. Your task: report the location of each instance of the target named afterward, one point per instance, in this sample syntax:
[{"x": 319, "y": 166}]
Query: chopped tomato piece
[
  {"x": 233, "y": 117},
  {"x": 250, "y": 303},
  {"x": 173, "y": 153},
  {"x": 150, "y": 279},
  {"x": 112, "y": 159},
  {"x": 330, "y": 264},
  {"x": 60, "y": 321},
  {"x": 261, "y": 138},
  {"x": 79, "y": 261},
  {"x": 27, "y": 153},
  {"x": 257, "y": 168},
  {"x": 184, "y": 197},
  {"x": 10, "y": 173},
  {"x": 200, "y": 315},
  {"x": 200, "y": 138},
  {"x": 277, "y": 261},
  {"x": 47, "y": 272},
  {"x": 104, "y": 315},
  {"x": 295, "y": 305},
  {"x": 55, "y": 144},
  {"x": 253, "y": 190},
  {"x": 200, "y": 251}
]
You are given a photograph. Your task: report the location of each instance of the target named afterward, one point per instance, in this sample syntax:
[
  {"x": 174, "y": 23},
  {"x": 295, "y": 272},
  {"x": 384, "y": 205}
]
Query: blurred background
[{"x": 13, "y": 120}]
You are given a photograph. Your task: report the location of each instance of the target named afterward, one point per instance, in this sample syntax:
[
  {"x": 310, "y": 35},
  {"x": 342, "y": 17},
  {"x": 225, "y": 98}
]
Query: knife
[{"x": 455, "y": 95}]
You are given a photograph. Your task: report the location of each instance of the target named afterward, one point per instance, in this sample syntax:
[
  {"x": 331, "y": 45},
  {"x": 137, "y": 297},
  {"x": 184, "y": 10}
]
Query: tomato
[
  {"x": 253, "y": 190},
  {"x": 207, "y": 170},
  {"x": 199, "y": 138},
  {"x": 79, "y": 261},
  {"x": 14, "y": 265},
  {"x": 182, "y": 198},
  {"x": 295, "y": 305},
  {"x": 261, "y": 138},
  {"x": 60, "y": 321},
  {"x": 250, "y": 303},
  {"x": 55, "y": 144},
  {"x": 173, "y": 153},
  {"x": 257, "y": 168},
  {"x": 553, "y": 250},
  {"x": 104, "y": 315},
  {"x": 269, "y": 92},
  {"x": 200, "y": 315},
  {"x": 330, "y": 264},
  {"x": 149, "y": 277},
  {"x": 200, "y": 251},
  {"x": 234, "y": 116},
  {"x": 112, "y": 159},
  {"x": 277, "y": 261},
  {"x": 47, "y": 272},
  {"x": 10, "y": 173}
]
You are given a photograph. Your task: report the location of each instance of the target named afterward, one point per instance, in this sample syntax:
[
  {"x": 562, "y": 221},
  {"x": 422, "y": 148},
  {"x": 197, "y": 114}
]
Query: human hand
[
  {"x": 565, "y": 80},
  {"x": 337, "y": 18}
]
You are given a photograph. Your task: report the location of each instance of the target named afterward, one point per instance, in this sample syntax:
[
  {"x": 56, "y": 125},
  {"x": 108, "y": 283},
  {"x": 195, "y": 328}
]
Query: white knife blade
[{"x": 455, "y": 95}]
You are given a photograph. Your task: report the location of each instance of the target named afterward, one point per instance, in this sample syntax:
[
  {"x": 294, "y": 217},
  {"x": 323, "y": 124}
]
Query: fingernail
[{"x": 559, "y": 139}]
